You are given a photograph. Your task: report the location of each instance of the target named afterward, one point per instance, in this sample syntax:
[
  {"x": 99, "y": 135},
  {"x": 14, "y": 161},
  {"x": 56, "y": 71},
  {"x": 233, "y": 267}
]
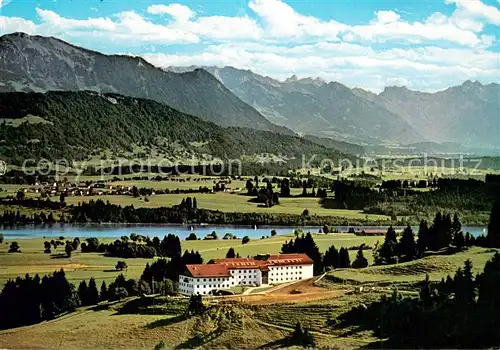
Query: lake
[{"x": 118, "y": 230}]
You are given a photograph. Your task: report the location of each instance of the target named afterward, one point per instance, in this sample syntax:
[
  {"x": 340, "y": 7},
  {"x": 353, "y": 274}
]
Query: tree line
[
  {"x": 100, "y": 211},
  {"x": 443, "y": 233},
  {"x": 331, "y": 259},
  {"x": 461, "y": 311}
]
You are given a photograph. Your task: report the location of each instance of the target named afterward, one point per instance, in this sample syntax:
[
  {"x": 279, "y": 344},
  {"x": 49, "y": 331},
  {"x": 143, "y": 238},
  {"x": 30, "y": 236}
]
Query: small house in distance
[{"x": 228, "y": 273}]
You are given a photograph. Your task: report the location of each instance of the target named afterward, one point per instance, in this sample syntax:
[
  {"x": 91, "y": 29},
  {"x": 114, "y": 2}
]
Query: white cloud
[
  {"x": 385, "y": 17},
  {"x": 128, "y": 26},
  {"x": 476, "y": 9},
  {"x": 281, "y": 20},
  {"x": 211, "y": 27},
  {"x": 177, "y": 11},
  {"x": 388, "y": 27},
  {"x": 16, "y": 24},
  {"x": 428, "y": 68}
]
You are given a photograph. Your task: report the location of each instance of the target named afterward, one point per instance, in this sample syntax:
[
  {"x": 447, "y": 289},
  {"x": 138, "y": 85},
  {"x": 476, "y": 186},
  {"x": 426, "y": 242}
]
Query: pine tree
[
  {"x": 230, "y": 253},
  {"x": 423, "y": 237},
  {"x": 82, "y": 293},
  {"x": 426, "y": 291},
  {"x": 361, "y": 261},
  {"x": 456, "y": 226},
  {"x": 407, "y": 248},
  {"x": 387, "y": 253},
  {"x": 459, "y": 240},
  {"x": 344, "y": 260},
  {"x": 147, "y": 274},
  {"x": 464, "y": 286},
  {"x": 92, "y": 293},
  {"x": 103, "y": 295},
  {"x": 331, "y": 257}
]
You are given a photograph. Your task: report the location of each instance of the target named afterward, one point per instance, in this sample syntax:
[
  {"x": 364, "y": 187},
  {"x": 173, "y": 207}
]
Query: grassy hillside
[
  {"x": 436, "y": 266},
  {"x": 71, "y": 125}
]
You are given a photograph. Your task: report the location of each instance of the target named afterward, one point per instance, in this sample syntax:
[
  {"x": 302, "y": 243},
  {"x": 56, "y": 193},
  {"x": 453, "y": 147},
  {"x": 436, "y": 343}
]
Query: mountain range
[
  {"x": 329, "y": 112},
  {"x": 40, "y": 64},
  {"x": 468, "y": 114}
]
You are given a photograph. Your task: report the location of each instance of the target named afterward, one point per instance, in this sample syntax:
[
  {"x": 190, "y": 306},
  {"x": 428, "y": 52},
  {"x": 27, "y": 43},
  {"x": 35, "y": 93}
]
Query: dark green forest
[{"x": 76, "y": 124}]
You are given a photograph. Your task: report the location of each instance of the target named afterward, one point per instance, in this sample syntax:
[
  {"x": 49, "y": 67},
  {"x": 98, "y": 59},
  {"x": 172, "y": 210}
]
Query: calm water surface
[{"x": 118, "y": 230}]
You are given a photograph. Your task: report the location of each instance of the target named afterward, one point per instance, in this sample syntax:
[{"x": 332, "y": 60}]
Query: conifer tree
[
  {"x": 387, "y": 253},
  {"x": 344, "y": 260},
  {"x": 423, "y": 237},
  {"x": 407, "y": 248},
  {"x": 82, "y": 293},
  {"x": 103, "y": 295},
  {"x": 361, "y": 261},
  {"x": 92, "y": 293},
  {"x": 230, "y": 253},
  {"x": 331, "y": 257}
]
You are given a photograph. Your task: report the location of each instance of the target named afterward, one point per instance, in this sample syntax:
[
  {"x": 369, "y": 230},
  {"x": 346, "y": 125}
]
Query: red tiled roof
[
  {"x": 241, "y": 263},
  {"x": 289, "y": 259},
  {"x": 208, "y": 270},
  {"x": 220, "y": 267}
]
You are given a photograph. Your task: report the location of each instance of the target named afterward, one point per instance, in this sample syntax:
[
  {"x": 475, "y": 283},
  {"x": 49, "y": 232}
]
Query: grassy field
[
  {"x": 85, "y": 265},
  {"x": 436, "y": 266},
  {"x": 228, "y": 202}
]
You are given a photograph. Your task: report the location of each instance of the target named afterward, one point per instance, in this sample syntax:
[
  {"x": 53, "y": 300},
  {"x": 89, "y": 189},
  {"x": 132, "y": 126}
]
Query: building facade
[{"x": 227, "y": 273}]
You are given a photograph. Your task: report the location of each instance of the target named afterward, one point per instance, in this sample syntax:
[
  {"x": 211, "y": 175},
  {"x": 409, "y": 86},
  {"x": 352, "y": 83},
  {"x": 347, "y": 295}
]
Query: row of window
[
  {"x": 271, "y": 280},
  {"x": 286, "y": 273},
  {"x": 245, "y": 271},
  {"x": 288, "y": 267},
  {"x": 210, "y": 279}
]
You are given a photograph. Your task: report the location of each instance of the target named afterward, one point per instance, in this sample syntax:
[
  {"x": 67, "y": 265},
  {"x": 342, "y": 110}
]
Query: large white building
[{"x": 228, "y": 273}]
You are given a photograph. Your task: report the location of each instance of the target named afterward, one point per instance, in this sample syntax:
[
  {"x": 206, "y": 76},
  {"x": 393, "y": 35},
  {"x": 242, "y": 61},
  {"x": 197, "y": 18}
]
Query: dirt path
[{"x": 295, "y": 292}]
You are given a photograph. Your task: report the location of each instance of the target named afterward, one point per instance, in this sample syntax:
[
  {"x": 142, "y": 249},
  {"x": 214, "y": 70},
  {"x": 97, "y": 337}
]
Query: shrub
[
  {"x": 14, "y": 248},
  {"x": 191, "y": 237},
  {"x": 121, "y": 265},
  {"x": 301, "y": 337},
  {"x": 160, "y": 346}
]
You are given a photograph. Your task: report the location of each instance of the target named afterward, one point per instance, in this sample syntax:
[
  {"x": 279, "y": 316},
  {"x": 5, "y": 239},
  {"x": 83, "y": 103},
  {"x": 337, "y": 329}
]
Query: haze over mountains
[{"x": 468, "y": 114}]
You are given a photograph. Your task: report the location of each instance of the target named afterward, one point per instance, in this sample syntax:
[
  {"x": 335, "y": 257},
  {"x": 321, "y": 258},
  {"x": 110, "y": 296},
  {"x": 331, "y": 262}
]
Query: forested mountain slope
[{"x": 72, "y": 125}]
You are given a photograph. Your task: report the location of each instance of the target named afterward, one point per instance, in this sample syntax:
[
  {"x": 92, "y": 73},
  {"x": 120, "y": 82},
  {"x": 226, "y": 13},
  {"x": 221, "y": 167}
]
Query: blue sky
[{"x": 426, "y": 45}]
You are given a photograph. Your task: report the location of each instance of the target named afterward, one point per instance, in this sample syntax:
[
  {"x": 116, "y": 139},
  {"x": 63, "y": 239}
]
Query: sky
[{"x": 425, "y": 45}]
